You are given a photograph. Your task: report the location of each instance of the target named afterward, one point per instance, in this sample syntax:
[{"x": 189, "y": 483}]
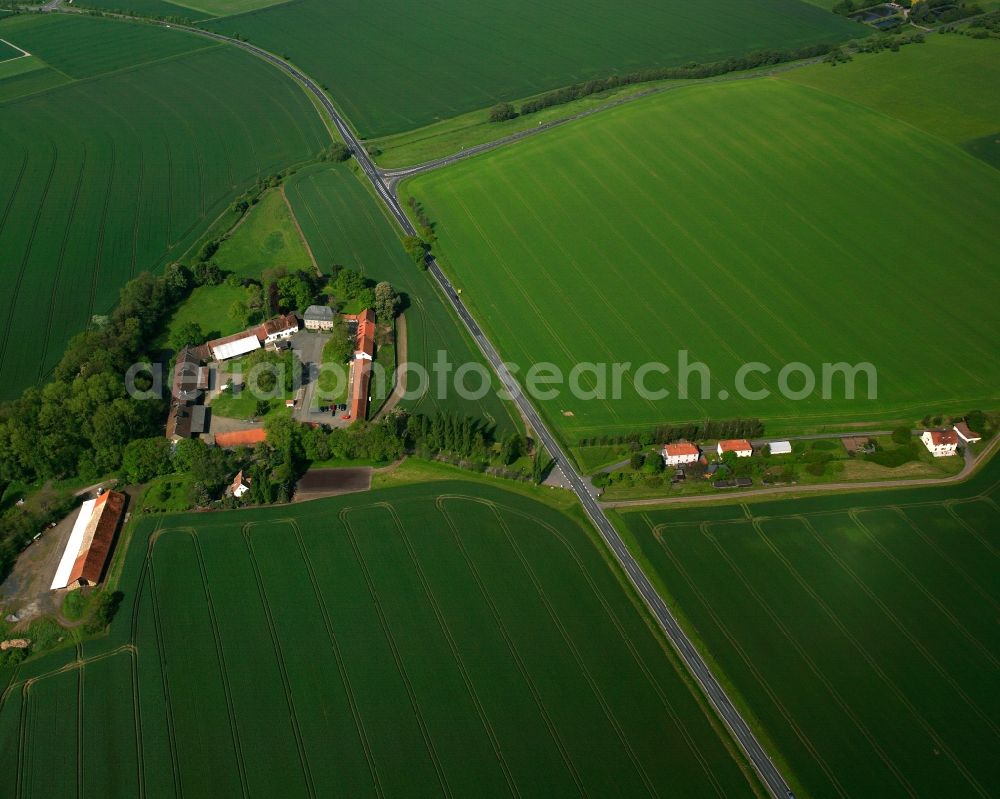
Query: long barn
[{"x": 90, "y": 542}]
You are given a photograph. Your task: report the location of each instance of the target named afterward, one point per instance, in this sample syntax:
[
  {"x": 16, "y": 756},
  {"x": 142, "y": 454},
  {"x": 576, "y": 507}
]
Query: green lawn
[
  {"x": 860, "y": 629},
  {"x": 266, "y": 239},
  {"x": 393, "y": 65},
  {"x": 813, "y": 231},
  {"x": 345, "y": 226},
  {"x": 450, "y": 638},
  {"x": 209, "y": 307},
  {"x": 941, "y": 86},
  {"x": 103, "y": 178}
]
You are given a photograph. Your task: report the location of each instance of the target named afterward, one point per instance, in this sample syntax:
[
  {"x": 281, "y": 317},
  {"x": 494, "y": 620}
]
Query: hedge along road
[{"x": 724, "y": 706}]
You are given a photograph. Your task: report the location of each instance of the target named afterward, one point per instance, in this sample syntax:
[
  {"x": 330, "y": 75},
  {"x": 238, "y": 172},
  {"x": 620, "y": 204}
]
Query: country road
[{"x": 719, "y": 699}]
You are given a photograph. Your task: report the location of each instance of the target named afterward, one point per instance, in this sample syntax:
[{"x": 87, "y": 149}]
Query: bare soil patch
[{"x": 318, "y": 483}]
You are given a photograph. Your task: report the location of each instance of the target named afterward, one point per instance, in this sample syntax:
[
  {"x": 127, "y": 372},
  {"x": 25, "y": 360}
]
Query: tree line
[
  {"x": 693, "y": 70},
  {"x": 692, "y": 431}
]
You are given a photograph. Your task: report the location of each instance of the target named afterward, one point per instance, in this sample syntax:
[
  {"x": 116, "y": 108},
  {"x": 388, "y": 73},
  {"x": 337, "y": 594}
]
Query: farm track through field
[
  {"x": 102, "y": 232},
  {"x": 13, "y": 192},
  {"x": 280, "y": 659},
  {"x": 335, "y": 648},
  {"x": 929, "y": 596},
  {"x": 148, "y": 571},
  {"x": 24, "y": 260},
  {"x": 625, "y": 639},
  {"x": 390, "y": 640},
  {"x": 455, "y": 652},
  {"x": 577, "y": 657},
  {"x": 60, "y": 260},
  {"x": 744, "y": 656},
  {"x": 512, "y": 649}
]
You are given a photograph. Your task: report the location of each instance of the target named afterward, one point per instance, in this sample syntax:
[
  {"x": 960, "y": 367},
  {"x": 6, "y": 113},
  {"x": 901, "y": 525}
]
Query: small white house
[
  {"x": 679, "y": 454},
  {"x": 781, "y": 447},
  {"x": 940, "y": 443},
  {"x": 740, "y": 446},
  {"x": 967, "y": 435},
  {"x": 240, "y": 485}
]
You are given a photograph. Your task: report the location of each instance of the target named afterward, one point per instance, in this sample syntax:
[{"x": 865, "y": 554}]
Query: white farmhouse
[
  {"x": 740, "y": 446},
  {"x": 679, "y": 454},
  {"x": 940, "y": 443}
]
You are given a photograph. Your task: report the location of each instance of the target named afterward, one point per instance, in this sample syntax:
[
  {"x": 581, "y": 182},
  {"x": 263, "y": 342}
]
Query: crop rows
[
  {"x": 112, "y": 176},
  {"x": 471, "y": 642},
  {"x": 650, "y": 231},
  {"x": 859, "y": 630}
]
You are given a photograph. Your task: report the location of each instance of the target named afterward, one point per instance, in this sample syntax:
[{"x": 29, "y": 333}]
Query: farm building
[
  {"x": 190, "y": 380},
  {"x": 235, "y": 345},
  {"x": 678, "y": 454},
  {"x": 361, "y": 365},
  {"x": 241, "y": 438},
  {"x": 967, "y": 435},
  {"x": 781, "y": 447},
  {"x": 270, "y": 332},
  {"x": 740, "y": 446},
  {"x": 240, "y": 485},
  {"x": 281, "y": 327},
  {"x": 90, "y": 542},
  {"x": 319, "y": 317},
  {"x": 940, "y": 443}
]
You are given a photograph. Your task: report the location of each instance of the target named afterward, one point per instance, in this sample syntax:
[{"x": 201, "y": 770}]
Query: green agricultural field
[
  {"x": 450, "y": 639},
  {"x": 859, "y": 629},
  {"x": 104, "y": 178},
  {"x": 344, "y": 225},
  {"x": 8, "y": 52},
  {"x": 393, "y": 65},
  {"x": 267, "y": 238},
  {"x": 221, "y": 8},
  {"x": 147, "y": 8},
  {"x": 943, "y": 86},
  {"x": 750, "y": 221}
]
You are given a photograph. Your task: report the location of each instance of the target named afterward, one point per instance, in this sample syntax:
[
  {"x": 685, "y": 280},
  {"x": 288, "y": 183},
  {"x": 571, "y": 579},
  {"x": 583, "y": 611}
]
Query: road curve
[{"x": 723, "y": 705}]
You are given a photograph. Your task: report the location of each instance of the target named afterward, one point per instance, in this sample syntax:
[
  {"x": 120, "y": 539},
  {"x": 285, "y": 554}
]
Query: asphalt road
[{"x": 724, "y": 706}]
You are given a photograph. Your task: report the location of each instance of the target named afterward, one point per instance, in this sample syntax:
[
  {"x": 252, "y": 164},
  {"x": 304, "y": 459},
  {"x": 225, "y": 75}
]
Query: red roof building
[
  {"x": 361, "y": 366},
  {"x": 683, "y": 452},
  {"x": 742, "y": 447},
  {"x": 90, "y": 543},
  {"x": 967, "y": 435},
  {"x": 241, "y": 438}
]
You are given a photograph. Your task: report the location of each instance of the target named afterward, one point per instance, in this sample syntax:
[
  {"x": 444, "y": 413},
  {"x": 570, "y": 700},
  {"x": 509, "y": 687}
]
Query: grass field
[
  {"x": 344, "y": 225},
  {"x": 861, "y": 629},
  {"x": 9, "y": 52},
  {"x": 266, "y": 239},
  {"x": 446, "y": 639},
  {"x": 941, "y": 86},
  {"x": 393, "y": 66},
  {"x": 659, "y": 227},
  {"x": 105, "y": 177}
]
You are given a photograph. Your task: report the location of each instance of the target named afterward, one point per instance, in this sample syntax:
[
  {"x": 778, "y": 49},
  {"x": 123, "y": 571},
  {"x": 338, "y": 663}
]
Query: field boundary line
[
  {"x": 972, "y": 531},
  {"x": 456, "y": 654},
  {"x": 383, "y": 623},
  {"x": 741, "y": 652},
  {"x": 279, "y": 658},
  {"x": 855, "y": 516},
  {"x": 338, "y": 655},
  {"x": 80, "y": 747},
  {"x": 895, "y": 690},
  {"x": 298, "y": 228},
  {"x": 515, "y": 655}
]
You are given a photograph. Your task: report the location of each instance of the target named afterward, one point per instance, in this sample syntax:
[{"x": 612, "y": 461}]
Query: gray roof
[
  {"x": 198, "y": 418},
  {"x": 319, "y": 313}
]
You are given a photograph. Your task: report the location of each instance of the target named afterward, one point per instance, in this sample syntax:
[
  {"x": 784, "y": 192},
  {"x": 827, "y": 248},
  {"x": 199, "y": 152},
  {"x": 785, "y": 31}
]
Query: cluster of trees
[
  {"x": 501, "y": 112},
  {"x": 693, "y": 431},
  {"x": 418, "y": 247},
  {"x": 877, "y": 44},
  {"x": 336, "y": 152},
  {"x": 758, "y": 58},
  {"x": 932, "y": 11}
]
